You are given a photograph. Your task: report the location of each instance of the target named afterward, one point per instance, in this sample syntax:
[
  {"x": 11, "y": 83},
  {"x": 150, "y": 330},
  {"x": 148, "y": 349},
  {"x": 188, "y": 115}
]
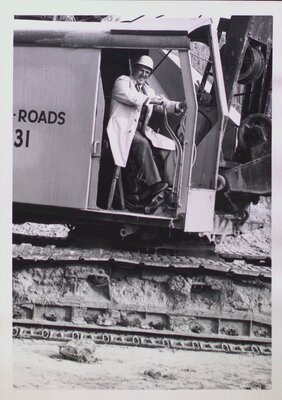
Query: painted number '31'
[{"x": 22, "y": 138}]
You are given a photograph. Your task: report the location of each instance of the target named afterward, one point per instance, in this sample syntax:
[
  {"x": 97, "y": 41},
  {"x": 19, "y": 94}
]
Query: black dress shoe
[
  {"x": 157, "y": 188},
  {"x": 140, "y": 197},
  {"x": 133, "y": 198},
  {"x": 147, "y": 194}
]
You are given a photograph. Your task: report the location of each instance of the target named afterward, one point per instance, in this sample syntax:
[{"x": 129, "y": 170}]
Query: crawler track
[
  {"x": 244, "y": 265},
  {"x": 218, "y": 303},
  {"x": 27, "y": 330}
]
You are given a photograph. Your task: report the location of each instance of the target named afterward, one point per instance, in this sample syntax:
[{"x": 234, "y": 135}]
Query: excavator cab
[
  {"x": 64, "y": 74},
  {"x": 177, "y": 80},
  {"x": 167, "y": 79}
]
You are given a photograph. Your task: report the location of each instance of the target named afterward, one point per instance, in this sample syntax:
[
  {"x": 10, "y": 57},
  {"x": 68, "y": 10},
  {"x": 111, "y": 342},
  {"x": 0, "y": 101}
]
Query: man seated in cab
[{"x": 132, "y": 103}]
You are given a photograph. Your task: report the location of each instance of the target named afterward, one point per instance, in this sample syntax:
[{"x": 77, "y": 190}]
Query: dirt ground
[
  {"x": 253, "y": 238},
  {"x": 38, "y": 365}
]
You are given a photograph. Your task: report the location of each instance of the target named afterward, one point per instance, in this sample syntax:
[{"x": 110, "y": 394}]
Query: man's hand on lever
[
  {"x": 181, "y": 106},
  {"x": 157, "y": 100}
]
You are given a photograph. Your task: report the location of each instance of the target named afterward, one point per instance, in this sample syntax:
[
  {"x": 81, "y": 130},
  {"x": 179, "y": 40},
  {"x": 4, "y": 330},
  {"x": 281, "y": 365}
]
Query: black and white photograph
[{"x": 140, "y": 248}]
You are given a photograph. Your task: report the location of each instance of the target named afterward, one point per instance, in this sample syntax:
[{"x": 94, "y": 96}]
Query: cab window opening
[
  {"x": 167, "y": 80},
  {"x": 116, "y": 62}
]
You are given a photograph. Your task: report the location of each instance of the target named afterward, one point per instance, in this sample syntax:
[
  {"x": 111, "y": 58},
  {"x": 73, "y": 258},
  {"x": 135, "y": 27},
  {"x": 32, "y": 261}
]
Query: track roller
[
  {"x": 226, "y": 347},
  {"x": 136, "y": 340},
  {"x": 255, "y": 349},
  {"x": 166, "y": 343},
  {"x": 107, "y": 338},
  {"x": 45, "y": 333},
  {"x": 76, "y": 335},
  {"x": 196, "y": 345},
  {"x": 16, "y": 331}
]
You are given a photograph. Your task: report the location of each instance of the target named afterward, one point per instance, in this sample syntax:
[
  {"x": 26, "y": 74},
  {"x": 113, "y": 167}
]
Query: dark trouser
[{"x": 142, "y": 154}]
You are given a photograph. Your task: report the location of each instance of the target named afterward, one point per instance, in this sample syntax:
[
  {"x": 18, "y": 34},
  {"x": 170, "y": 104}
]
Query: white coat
[{"x": 125, "y": 110}]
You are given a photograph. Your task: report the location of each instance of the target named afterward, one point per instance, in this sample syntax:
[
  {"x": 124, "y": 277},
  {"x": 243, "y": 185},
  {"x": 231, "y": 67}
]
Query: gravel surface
[
  {"x": 255, "y": 240},
  {"x": 38, "y": 365}
]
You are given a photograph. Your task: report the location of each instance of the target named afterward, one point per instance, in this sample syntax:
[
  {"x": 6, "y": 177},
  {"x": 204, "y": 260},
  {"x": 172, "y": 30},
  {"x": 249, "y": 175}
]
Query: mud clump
[
  {"x": 156, "y": 375},
  {"x": 80, "y": 350},
  {"x": 179, "y": 286},
  {"x": 179, "y": 290},
  {"x": 229, "y": 331},
  {"x": 257, "y": 386}
]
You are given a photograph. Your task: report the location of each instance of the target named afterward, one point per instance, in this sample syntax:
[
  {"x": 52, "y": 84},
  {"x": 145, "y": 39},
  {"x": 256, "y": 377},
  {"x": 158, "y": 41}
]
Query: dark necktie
[{"x": 139, "y": 88}]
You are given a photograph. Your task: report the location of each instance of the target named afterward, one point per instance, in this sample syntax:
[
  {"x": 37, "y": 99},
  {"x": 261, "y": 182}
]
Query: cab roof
[{"x": 142, "y": 33}]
